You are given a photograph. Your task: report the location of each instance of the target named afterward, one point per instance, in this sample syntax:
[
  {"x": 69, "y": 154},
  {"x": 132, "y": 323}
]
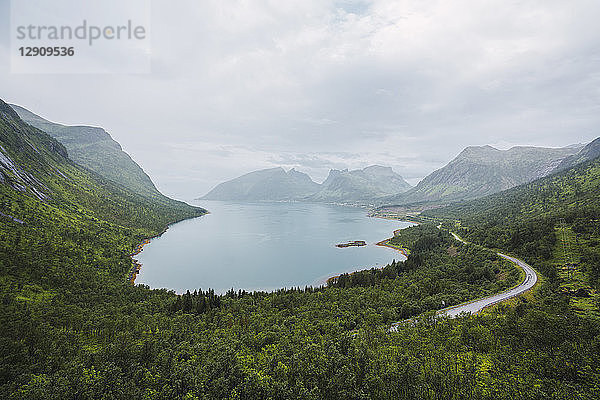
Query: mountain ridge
[
  {"x": 478, "y": 171},
  {"x": 267, "y": 184},
  {"x": 275, "y": 184},
  {"x": 571, "y": 189},
  {"x": 588, "y": 152},
  {"x": 362, "y": 185},
  {"x": 94, "y": 148},
  {"x": 36, "y": 166}
]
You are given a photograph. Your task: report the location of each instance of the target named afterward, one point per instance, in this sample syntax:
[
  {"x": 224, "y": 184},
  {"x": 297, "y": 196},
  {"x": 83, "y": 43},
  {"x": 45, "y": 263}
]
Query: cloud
[{"x": 241, "y": 85}]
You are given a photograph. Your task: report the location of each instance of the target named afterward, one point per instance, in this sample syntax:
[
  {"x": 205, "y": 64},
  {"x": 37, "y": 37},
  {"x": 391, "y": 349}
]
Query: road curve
[{"x": 473, "y": 307}]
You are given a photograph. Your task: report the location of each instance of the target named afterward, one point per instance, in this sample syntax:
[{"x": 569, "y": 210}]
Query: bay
[{"x": 264, "y": 246}]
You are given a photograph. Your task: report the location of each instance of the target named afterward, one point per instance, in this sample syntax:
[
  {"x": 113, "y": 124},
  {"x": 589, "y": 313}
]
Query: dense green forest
[
  {"x": 72, "y": 327},
  {"x": 455, "y": 272},
  {"x": 552, "y": 222}
]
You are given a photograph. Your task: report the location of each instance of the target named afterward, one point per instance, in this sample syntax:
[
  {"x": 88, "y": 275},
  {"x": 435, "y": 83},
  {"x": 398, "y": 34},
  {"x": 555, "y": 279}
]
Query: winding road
[{"x": 474, "y": 306}]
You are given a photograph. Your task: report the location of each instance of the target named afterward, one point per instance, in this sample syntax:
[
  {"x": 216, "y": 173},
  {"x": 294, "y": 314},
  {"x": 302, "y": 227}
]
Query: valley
[{"x": 75, "y": 327}]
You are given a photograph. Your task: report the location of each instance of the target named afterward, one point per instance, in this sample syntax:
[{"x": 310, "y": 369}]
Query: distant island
[{"x": 355, "y": 243}]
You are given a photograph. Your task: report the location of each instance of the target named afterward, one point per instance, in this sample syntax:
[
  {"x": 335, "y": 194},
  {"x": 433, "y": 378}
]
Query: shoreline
[
  {"x": 135, "y": 269},
  {"x": 382, "y": 243},
  {"x": 136, "y": 265},
  {"x": 389, "y": 218},
  {"x": 385, "y": 243}
]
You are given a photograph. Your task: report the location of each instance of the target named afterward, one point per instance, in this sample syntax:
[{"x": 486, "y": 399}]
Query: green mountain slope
[
  {"x": 589, "y": 152},
  {"x": 96, "y": 150},
  {"x": 36, "y": 165},
  {"x": 552, "y": 222},
  {"x": 66, "y": 234},
  {"x": 480, "y": 171},
  {"x": 572, "y": 190}
]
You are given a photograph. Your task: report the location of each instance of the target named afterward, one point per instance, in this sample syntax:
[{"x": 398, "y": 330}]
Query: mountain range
[
  {"x": 362, "y": 185},
  {"x": 275, "y": 184},
  {"x": 571, "y": 190},
  {"x": 476, "y": 172},
  {"x": 93, "y": 148},
  {"x": 37, "y": 177},
  {"x": 482, "y": 170}
]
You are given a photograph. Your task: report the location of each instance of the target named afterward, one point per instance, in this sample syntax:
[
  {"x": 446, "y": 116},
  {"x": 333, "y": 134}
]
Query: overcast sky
[{"x": 315, "y": 84}]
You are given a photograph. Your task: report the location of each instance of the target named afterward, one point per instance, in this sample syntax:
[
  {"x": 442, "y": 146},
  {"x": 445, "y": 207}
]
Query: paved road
[
  {"x": 478, "y": 305},
  {"x": 475, "y": 306}
]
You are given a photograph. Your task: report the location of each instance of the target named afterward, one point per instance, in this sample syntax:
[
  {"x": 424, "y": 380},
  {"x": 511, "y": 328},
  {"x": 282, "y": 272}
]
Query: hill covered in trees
[
  {"x": 569, "y": 191},
  {"x": 553, "y": 222}
]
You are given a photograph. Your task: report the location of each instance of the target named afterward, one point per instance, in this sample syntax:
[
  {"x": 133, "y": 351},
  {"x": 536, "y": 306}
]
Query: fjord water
[{"x": 264, "y": 246}]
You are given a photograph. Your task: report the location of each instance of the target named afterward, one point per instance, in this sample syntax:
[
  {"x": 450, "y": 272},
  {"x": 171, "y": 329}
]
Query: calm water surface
[{"x": 264, "y": 246}]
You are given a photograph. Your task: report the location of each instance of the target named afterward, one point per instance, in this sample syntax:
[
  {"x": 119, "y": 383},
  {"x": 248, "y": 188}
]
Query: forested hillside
[{"x": 552, "y": 222}]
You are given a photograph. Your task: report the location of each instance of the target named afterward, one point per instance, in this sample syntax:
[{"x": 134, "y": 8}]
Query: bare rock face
[{"x": 18, "y": 177}]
